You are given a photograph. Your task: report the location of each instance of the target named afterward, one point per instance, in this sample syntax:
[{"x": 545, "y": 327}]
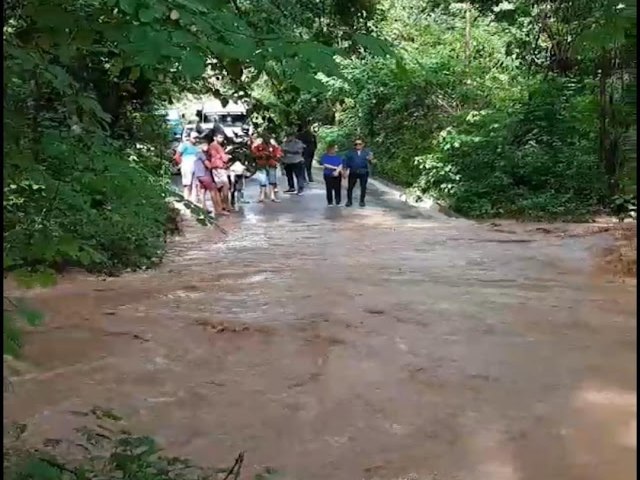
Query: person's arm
[
  {"x": 370, "y": 156},
  {"x": 178, "y": 156},
  {"x": 330, "y": 167},
  {"x": 215, "y": 156},
  {"x": 346, "y": 161}
]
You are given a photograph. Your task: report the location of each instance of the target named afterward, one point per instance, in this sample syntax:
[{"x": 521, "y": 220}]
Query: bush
[{"x": 90, "y": 203}]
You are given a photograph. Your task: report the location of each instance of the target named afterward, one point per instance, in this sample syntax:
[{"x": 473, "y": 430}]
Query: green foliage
[
  {"x": 85, "y": 175},
  {"x": 15, "y": 313},
  {"x": 104, "y": 449},
  {"x": 494, "y": 108}
]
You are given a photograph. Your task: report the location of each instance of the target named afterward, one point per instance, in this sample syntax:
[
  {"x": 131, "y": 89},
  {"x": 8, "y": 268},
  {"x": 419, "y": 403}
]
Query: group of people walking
[
  {"x": 206, "y": 171},
  {"x": 354, "y": 167},
  {"x": 296, "y": 159}
]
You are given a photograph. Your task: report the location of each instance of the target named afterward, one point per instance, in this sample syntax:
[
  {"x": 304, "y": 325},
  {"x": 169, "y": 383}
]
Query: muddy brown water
[{"x": 347, "y": 344}]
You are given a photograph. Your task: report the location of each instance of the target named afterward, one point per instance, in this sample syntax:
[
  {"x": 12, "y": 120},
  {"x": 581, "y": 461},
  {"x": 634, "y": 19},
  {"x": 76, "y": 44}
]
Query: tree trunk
[
  {"x": 607, "y": 150},
  {"x": 467, "y": 35}
]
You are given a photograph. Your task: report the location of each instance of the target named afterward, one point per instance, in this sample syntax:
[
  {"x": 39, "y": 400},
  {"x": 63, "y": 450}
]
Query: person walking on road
[
  {"x": 332, "y": 173},
  {"x": 357, "y": 162},
  {"x": 267, "y": 155},
  {"x": 186, "y": 154},
  {"x": 220, "y": 170},
  {"x": 306, "y": 136},
  {"x": 293, "y": 163}
]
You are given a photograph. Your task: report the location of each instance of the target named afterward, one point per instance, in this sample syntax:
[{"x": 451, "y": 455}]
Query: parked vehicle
[{"x": 232, "y": 120}]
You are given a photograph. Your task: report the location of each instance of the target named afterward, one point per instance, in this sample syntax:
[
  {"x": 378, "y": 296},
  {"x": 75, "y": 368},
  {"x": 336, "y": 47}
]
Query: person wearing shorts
[
  {"x": 267, "y": 155},
  {"x": 186, "y": 154},
  {"x": 219, "y": 169},
  {"x": 202, "y": 172}
]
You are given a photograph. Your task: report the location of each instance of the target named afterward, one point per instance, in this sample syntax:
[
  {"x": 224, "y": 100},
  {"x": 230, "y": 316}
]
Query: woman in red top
[
  {"x": 220, "y": 170},
  {"x": 267, "y": 155}
]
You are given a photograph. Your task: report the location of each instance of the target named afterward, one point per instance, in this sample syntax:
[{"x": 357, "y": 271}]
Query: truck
[{"x": 232, "y": 119}]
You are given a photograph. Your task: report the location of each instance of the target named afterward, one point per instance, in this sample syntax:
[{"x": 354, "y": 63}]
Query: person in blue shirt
[
  {"x": 332, "y": 164},
  {"x": 356, "y": 164},
  {"x": 186, "y": 154}
]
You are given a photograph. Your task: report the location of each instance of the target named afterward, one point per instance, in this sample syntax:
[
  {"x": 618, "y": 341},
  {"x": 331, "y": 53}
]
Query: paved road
[{"x": 349, "y": 344}]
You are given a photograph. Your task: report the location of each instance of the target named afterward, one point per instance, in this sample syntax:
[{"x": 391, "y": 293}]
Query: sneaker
[
  {"x": 329, "y": 204},
  {"x": 362, "y": 204},
  {"x": 348, "y": 204},
  {"x": 275, "y": 200},
  {"x": 299, "y": 193},
  {"x": 291, "y": 190}
]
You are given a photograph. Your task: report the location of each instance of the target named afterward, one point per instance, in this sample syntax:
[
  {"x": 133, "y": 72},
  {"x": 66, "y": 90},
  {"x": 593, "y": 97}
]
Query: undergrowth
[{"x": 104, "y": 449}]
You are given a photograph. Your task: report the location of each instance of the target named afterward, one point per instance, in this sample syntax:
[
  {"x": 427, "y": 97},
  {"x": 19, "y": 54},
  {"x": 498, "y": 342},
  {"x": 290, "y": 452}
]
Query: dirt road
[{"x": 349, "y": 344}]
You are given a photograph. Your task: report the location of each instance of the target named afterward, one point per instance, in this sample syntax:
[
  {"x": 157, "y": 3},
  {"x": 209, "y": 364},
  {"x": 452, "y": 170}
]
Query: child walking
[{"x": 332, "y": 175}]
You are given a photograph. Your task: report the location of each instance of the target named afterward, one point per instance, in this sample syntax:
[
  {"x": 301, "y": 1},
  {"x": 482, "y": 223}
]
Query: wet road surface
[{"x": 346, "y": 344}]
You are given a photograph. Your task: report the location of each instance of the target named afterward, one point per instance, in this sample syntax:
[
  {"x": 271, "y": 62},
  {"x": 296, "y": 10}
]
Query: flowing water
[{"x": 348, "y": 344}]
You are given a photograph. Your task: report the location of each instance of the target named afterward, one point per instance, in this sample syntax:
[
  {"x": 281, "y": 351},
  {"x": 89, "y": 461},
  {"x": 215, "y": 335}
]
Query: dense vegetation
[
  {"x": 84, "y": 152},
  {"x": 521, "y": 108}
]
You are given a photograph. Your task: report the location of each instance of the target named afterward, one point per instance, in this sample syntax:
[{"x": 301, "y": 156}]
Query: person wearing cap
[{"x": 186, "y": 154}]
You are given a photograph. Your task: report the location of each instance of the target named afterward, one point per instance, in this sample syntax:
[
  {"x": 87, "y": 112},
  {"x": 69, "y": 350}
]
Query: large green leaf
[
  {"x": 193, "y": 64},
  {"x": 128, "y": 6}
]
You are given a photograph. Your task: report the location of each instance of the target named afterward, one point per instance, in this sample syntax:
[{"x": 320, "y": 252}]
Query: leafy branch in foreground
[
  {"x": 104, "y": 449},
  {"x": 15, "y": 312}
]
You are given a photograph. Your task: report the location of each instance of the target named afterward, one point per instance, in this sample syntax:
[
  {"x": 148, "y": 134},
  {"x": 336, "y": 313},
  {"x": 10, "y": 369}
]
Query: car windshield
[
  {"x": 226, "y": 119},
  {"x": 173, "y": 115},
  {"x": 233, "y": 119}
]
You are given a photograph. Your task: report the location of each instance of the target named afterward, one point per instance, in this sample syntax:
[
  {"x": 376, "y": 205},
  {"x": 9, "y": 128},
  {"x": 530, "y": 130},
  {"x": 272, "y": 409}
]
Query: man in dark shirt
[
  {"x": 306, "y": 136},
  {"x": 356, "y": 162}
]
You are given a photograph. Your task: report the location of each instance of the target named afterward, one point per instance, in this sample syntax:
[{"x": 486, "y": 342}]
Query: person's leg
[
  {"x": 363, "y": 178},
  {"x": 203, "y": 198},
  {"x": 196, "y": 192},
  {"x": 272, "y": 177},
  {"x": 221, "y": 180},
  {"x": 288, "y": 170},
  {"x": 241, "y": 190},
  {"x": 328, "y": 185},
  {"x": 337, "y": 189},
  {"x": 224, "y": 193},
  {"x": 351, "y": 182},
  {"x": 186, "y": 172},
  {"x": 308, "y": 166},
  {"x": 262, "y": 178},
  {"x": 217, "y": 201},
  {"x": 299, "y": 172},
  {"x": 207, "y": 187}
]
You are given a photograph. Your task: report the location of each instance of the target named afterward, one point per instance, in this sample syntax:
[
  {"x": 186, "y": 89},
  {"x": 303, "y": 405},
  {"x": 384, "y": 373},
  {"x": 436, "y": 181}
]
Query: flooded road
[{"x": 346, "y": 344}]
